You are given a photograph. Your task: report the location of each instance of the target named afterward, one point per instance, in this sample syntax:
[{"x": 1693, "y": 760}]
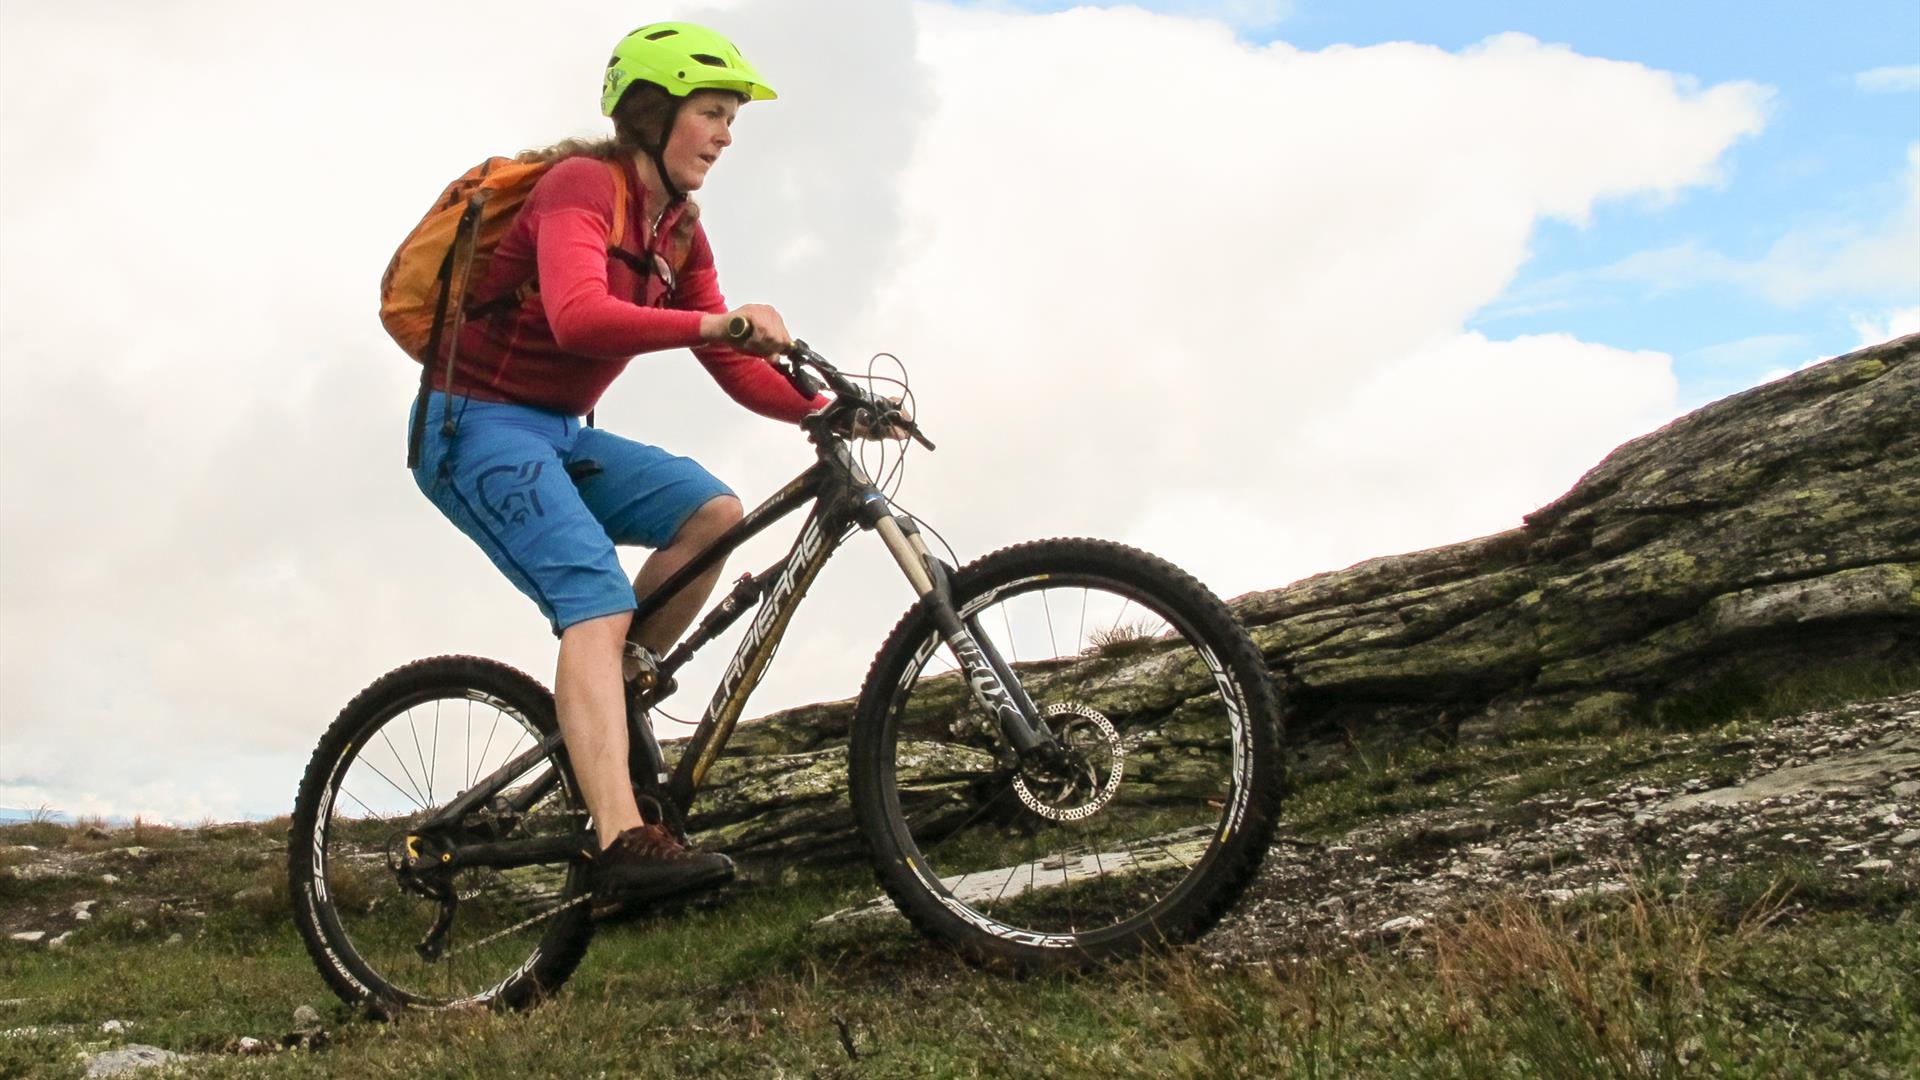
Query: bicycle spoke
[
  {"x": 414, "y": 730},
  {"x": 1046, "y": 605},
  {"x": 403, "y": 792},
  {"x": 408, "y": 773}
]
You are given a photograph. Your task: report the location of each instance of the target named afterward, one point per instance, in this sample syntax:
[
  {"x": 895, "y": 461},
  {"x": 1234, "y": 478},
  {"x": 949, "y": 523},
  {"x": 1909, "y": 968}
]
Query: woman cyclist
[{"x": 546, "y": 497}]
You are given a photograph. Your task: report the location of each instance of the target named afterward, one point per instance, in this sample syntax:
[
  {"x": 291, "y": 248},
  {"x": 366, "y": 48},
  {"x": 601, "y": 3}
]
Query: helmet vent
[
  {"x": 658, "y": 34},
  {"x": 710, "y": 61}
]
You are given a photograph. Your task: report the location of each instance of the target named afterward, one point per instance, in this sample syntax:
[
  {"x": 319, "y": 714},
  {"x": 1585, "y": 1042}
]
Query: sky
[{"x": 1266, "y": 287}]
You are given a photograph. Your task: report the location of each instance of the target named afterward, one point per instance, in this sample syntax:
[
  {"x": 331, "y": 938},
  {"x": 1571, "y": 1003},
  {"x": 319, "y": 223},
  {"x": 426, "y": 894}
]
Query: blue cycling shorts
[{"x": 507, "y": 479}]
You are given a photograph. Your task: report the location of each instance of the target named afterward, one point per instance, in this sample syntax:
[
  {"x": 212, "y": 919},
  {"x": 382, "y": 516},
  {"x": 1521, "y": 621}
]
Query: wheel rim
[
  {"x": 1107, "y": 847},
  {"x": 409, "y": 761}
]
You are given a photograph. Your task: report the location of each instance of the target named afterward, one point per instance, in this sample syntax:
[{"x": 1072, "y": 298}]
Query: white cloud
[
  {"x": 1889, "y": 80},
  {"x": 1179, "y": 285},
  {"x": 1443, "y": 444},
  {"x": 1226, "y": 322},
  {"x": 1888, "y": 325}
]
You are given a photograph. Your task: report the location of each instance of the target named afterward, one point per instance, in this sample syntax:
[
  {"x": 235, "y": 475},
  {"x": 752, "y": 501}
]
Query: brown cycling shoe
[{"x": 649, "y": 861}]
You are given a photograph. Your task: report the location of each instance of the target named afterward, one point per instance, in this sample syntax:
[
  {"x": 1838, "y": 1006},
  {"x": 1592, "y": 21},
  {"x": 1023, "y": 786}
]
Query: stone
[
  {"x": 83, "y": 910},
  {"x": 109, "y": 879},
  {"x": 29, "y": 937},
  {"x": 113, "y": 1027},
  {"x": 58, "y": 943},
  {"x": 1906, "y": 789},
  {"x": 130, "y": 1059},
  {"x": 306, "y": 1018},
  {"x": 1874, "y": 864},
  {"x": 174, "y": 939},
  {"x": 1851, "y": 770},
  {"x": 252, "y": 893},
  {"x": 1907, "y": 839},
  {"x": 1403, "y": 924}
]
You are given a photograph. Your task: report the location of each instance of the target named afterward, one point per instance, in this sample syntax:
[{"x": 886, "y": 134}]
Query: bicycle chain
[{"x": 521, "y": 925}]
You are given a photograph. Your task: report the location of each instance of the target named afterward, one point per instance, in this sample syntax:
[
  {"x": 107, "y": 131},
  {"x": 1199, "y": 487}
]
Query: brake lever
[{"x": 739, "y": 329}]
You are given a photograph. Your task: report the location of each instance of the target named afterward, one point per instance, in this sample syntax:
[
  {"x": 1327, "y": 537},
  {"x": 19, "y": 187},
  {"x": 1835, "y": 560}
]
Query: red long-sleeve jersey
[{"x": 564, "y": 344}]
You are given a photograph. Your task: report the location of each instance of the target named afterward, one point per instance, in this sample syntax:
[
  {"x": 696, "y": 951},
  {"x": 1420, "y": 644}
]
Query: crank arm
[{"x": 506, "y": 855}]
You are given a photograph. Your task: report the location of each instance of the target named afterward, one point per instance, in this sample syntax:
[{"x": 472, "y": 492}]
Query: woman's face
[{"x": 701, "y": 131}]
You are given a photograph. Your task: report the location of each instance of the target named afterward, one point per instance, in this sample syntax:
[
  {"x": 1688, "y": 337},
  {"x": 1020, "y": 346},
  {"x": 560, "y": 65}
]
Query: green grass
[{"x": 1744, "y": 695}]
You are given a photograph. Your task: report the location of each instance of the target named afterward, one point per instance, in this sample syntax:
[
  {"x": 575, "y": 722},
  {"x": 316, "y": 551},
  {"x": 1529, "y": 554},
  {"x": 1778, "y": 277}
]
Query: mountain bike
[{"x": 1066, "y": 751}]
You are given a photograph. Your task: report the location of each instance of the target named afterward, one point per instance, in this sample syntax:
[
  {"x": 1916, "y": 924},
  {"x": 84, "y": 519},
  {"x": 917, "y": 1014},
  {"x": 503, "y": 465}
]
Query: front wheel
[{"x": 1160, "y": 814}]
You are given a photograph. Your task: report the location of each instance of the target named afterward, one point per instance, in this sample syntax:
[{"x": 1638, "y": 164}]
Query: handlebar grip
[{"x": 739, "y": 329}]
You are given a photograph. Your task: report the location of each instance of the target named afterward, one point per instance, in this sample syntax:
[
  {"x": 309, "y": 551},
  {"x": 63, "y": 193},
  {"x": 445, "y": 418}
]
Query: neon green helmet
[{"x": 681, "y": 58}]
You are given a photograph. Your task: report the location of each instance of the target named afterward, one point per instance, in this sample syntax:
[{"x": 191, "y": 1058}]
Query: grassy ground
[{"x": 1723, "y": 976}]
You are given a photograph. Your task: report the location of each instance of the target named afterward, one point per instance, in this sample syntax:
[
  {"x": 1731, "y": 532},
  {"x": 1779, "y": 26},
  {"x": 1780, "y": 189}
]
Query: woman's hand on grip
[{"x": 754, "y": 328}]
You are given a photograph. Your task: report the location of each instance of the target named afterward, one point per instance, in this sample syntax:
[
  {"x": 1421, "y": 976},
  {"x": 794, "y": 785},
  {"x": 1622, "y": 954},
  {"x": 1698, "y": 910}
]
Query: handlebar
[{"x": 849, "y": 397}]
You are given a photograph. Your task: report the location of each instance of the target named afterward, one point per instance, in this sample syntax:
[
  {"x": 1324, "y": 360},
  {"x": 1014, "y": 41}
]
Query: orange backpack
[
  {"x": 449, "y": 250},
  {"x": 424, "y": 293}
]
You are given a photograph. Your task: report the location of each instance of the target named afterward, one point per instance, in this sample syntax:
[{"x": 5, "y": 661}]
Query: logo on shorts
[{"x": 508, "y": 493}]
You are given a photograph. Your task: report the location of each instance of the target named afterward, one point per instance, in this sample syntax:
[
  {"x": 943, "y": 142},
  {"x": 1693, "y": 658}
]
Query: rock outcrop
[{"x": 1772, "y": 531}]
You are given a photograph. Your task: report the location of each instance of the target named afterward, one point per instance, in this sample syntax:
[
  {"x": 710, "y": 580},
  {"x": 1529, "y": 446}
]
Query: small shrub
[
  {"x": 1123, "y": 639},
  {"x": 38, "y": 832}
]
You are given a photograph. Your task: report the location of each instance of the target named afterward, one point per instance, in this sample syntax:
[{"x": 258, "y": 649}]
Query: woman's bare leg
[
  {"x": 589, "y": 694},
  {"x": 590, "y": 701}
]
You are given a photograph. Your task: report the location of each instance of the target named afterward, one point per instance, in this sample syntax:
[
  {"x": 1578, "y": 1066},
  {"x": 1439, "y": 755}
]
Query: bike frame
[{"x": 844, "y": 499}]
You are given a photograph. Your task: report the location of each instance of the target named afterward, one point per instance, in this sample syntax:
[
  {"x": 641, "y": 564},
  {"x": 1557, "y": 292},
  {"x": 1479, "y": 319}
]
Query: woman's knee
[
  {"x": 715, "y": 516},
  {"x": 598, "y": 631}
]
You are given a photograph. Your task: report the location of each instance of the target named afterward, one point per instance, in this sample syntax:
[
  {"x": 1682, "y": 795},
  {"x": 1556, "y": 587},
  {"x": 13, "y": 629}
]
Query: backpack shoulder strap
[{"x": 622, "y": 195}]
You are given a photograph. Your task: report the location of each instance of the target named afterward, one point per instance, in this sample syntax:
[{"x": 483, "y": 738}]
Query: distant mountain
[
  {"x": 13, "y": 815},
  {"x": 10, "y": 815}
]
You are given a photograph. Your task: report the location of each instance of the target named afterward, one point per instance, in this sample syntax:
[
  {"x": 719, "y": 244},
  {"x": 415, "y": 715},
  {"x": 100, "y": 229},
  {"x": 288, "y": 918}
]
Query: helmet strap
[{"x": 659, "y": 154}]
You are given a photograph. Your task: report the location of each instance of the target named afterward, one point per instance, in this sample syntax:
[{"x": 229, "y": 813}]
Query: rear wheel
[
  {"x": 1166, "y": 801},
  {"x": 387, "y": 927}
]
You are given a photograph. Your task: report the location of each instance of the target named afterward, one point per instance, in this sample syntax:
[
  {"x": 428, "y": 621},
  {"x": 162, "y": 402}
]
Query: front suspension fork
[{"x": 989, "y": 677}]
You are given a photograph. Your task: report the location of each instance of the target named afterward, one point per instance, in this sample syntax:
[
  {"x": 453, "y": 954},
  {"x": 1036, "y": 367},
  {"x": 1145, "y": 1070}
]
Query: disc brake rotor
[{"x": 1092, "y": 740}]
